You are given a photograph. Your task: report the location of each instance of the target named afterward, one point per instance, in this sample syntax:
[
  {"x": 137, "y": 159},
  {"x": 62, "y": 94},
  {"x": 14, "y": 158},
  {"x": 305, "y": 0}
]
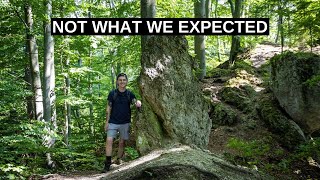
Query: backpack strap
[{"x": 115, "y": 95}]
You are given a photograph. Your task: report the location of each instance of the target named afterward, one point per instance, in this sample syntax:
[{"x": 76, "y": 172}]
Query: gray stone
[
  {"x": 290, "y": 75},
  {"x": 173, "y": 107},
  {"x": 182, "y": 163},
  {"x": 289, "y": 134}
]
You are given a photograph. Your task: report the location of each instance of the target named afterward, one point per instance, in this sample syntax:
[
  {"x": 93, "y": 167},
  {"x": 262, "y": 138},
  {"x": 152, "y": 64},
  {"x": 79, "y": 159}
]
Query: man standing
[{"x": 118, "y": 114}]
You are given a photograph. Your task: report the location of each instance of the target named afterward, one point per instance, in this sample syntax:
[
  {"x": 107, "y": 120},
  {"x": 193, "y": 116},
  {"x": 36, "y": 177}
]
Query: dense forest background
[{"x": 53, "y": 89}]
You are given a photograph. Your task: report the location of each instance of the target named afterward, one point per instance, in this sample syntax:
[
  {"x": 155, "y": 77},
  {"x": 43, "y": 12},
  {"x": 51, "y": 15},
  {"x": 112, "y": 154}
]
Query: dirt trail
[{"x": 263, "y": 52}]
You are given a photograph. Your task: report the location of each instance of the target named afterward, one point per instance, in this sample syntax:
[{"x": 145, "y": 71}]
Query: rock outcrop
[
  {"x": 181, "y": 163},
  {"x": 173, "y": 107},
  {"x": 289, "y": 134},
  {"x": 295, "y": 83}
]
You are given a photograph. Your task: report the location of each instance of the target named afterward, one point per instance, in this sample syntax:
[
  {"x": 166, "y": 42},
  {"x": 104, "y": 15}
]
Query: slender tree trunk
[
  {"x": 49, "y": 72},
  {"x": 235, "y": 42},
  {"x": 311, "y": 37},
  {"x": 208, "y": 8},
  {"x": 281, "y": 33},
  {"x": 77, "y": 112},
  {"x": 218, "y": 39},
  {"x": 147, "y": 10},
  {"x": 280, "y": 27},
  {"x": 199, "y": 40},
  {"x": 27, "y": 74},
  {"x": 91, "y": 123},
  {"x": 49, "y": 83},
  {"x": 29, "y": 99},
  {"x": 113, "y": 77},
  {"x": 34, "y": 62},
  {"x": 68, "y": 114},
  {"x": 118, "y": 68},
  {"x": 278, "y": 30},
  {"x": 67, "y": 106}
]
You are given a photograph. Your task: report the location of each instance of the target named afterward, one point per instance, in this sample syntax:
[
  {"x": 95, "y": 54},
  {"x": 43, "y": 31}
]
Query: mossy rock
[
  {"x": 243, "y": 65},
  {"x": 295, "y": 84},
  {"x": 182, "y": 163},
  {"x": 218, "y": 72},
  {"x": 222, "y": 114},
  {"x": 236, "y": 97},
  {"x": 288, "y": 132}
]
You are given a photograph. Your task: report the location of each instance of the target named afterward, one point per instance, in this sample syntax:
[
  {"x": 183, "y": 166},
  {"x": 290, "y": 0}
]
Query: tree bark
[
  {"x": 49, "y": 83},
  {"x": 199, "y": 40},
  {"x": 147, "y": 10},
  {"x": 29, "y": 99},
  {"x": 67, "y": 105},
  {"x": 34, "y": 65},
  {"x": 218, "y": 39},
  {"x": 49, "y": 72},
  {"x": 236, "y": 9},
  {"x": 27, "y": 73}
]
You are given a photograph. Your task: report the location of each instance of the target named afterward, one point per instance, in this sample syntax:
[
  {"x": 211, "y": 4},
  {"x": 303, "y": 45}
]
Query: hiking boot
[
  {"x": 106, "y": 167},
  {"x": 118, "y": 161}
]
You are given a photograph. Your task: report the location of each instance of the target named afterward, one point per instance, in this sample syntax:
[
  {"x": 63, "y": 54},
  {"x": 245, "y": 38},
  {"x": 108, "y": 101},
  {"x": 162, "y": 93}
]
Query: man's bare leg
[
  {"x": 122, "y": 144},
  {"x": 107, "y": 164},
  {"x": 109, "y": 143}
]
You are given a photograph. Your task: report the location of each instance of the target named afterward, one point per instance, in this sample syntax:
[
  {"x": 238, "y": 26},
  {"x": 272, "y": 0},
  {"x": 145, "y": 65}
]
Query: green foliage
[
  {"x": 309, "y": 149},
  {"x": 22, "y": 152},
  {"x": 249, "y": 149},
  {"x": 131, "y": 153},
  {"x": 314, "y": 81}
]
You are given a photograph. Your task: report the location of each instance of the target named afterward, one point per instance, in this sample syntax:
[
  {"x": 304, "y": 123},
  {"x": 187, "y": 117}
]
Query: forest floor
[{"x": 218, "y": 141}]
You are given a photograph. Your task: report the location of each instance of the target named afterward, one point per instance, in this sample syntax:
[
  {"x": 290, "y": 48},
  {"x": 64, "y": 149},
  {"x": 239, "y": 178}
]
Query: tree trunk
[
  {"x": 49, "y": 72},
  {"x": 113, "y": 77},
  {"x": 278, "y": 30},
  {"x": 311, "y": 37},
  {"x": 218, "y": 39},
  {"x": 280, "y": 27},
  {"x": 147, "y": 10},
  {"x": 173, "y": 108},
  {"x": 199, "y": 40},
  {"x": 29, "y": 99},
  {"x": 235, "y": 42},
  {"x": 67, "y": 110},
  {"x": 67, "y": 105},
  {"x": 208, "y": 8},
  {"x": 27, "y": 74},
  {"x": 49, "y": 83},
  {"x": 91, "y": 122},
  {"x": 34, "y": 65}
]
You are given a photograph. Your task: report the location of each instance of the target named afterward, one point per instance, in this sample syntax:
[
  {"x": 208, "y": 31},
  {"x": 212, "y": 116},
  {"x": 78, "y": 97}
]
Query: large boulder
[
  {"x": 181, "y": 163},
  {"x": 174, "y": 109},
  {"x": 287, "y": 132},
  {"x": 295, "y": 83}
]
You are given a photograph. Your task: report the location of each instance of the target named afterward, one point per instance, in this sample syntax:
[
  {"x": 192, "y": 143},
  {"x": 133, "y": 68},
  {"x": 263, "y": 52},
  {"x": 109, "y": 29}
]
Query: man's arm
[{"x": 108, "y": 111}]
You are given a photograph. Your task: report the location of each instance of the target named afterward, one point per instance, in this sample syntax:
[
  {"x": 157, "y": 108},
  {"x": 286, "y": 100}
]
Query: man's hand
[{"x": 138, "y": 104}]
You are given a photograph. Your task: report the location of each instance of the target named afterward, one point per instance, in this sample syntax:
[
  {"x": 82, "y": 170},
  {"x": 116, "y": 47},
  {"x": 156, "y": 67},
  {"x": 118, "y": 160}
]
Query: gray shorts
[{"x": 123, "y": 129}]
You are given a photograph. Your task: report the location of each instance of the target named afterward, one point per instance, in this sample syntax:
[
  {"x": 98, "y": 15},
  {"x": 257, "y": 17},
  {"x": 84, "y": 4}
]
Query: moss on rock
[
  {"x": 288, "y": 132},
  {"x": 222, "y": 114}
]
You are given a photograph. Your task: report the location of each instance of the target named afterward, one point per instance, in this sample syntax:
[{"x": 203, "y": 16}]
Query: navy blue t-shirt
[{"x": 120, "y": 108}]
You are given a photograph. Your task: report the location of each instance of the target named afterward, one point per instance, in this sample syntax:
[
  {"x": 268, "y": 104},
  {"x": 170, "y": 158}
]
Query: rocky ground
[{"x": 244, "y": 125}]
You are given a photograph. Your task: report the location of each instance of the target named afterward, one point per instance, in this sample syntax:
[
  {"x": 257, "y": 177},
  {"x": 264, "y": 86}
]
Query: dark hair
[{"x": 122, "y": 74}]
